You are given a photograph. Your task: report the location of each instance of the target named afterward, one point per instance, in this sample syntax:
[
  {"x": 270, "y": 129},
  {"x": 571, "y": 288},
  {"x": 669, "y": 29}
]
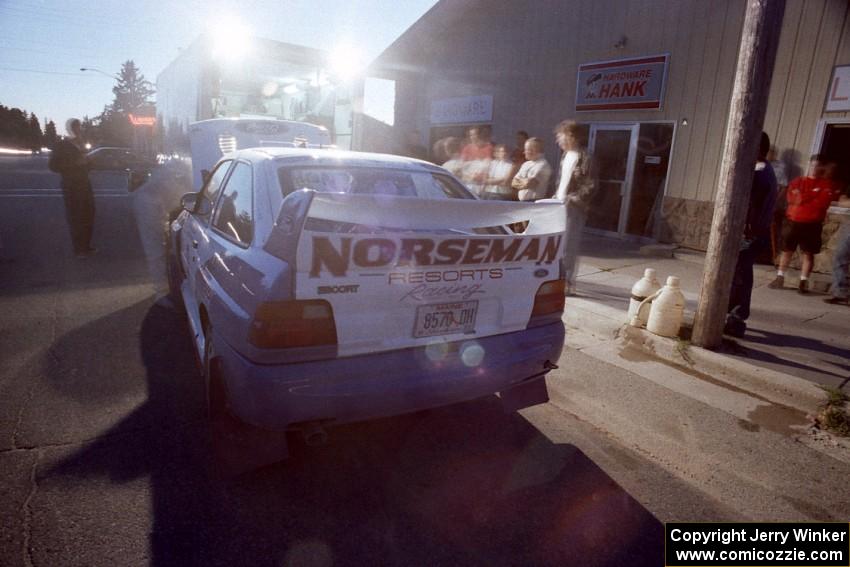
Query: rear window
[
  {"x": 371, "y": 181},
  {"x": 375, "y": 181}
]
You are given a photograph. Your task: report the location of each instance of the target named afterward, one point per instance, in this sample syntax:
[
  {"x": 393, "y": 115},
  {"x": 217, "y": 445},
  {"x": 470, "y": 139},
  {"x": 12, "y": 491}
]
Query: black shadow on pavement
[
  {"x": 756, "y": 336},
  {"x": 467, "y": 484}
]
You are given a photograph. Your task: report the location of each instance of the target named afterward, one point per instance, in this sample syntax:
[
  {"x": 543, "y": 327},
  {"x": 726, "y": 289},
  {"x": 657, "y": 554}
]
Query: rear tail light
[
  {"x": 548, "y": 303},
  {"x": 287, "y": 324}
]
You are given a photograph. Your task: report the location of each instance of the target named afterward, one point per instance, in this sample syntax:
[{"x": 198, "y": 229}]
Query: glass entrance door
[{"x": 613, "y": 147}]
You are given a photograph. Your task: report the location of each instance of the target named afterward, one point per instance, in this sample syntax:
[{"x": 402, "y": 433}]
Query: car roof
[
  {"x": 301, "y": 156},
  {"x": 110, "y": 148}
]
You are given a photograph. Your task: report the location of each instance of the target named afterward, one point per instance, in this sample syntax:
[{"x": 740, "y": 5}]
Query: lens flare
[{"x": 472, "y": 354}]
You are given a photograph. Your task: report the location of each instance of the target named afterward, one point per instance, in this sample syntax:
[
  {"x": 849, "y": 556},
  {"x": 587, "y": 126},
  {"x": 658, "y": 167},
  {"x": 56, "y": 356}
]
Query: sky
[{"x": 46, "y": 42}]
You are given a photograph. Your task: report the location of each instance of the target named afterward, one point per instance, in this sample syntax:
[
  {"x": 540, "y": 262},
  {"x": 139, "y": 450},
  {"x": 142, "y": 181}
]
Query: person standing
[
  {"x": 808, "y": 200},
  {"x": 477, "y": 155},
  {"x": 780, "y": 169},
  {"x": 518, "y": 153},
  {"x": 478, "y": 146},
  {"x": 68, "y": 159},
  {"x": 454, "y": 164},
  {"x": 532, "y": 179},
  {"x": 840, "y": 290},
  {"x": 756, "y": 238},
  {"x": 576, "y": 188},
  {"x": 498, "y": 182}
]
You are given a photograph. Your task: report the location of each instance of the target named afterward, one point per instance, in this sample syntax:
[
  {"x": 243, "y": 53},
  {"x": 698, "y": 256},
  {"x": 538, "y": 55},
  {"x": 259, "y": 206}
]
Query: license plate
[{"x": 445, "y": 318}]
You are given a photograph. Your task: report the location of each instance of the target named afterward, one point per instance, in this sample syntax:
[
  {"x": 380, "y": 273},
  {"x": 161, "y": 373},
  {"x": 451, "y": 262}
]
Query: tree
[
  {"x": 132, "y": 93},
  {"x": 50, "y": 135},
  {"x": 35, "y": 136},
  {"x": 91, "y": 128},
  {"x": 15, "y": 128}
]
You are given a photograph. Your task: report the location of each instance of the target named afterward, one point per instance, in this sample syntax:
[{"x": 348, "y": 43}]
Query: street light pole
[{"x": 110, "y": 75}]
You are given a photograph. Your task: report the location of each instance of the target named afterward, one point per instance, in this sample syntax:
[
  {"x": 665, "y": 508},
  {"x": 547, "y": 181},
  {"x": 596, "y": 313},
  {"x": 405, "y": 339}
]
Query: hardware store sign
[
  {"x": 624, "y": 84},
  {"x": 462, "y": 110}
]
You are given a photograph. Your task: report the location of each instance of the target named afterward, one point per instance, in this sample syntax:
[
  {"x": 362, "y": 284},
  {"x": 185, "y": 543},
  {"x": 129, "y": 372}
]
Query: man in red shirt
[
  {"x": 479, "y": 145},
  {"x": 808, "y": 200}
]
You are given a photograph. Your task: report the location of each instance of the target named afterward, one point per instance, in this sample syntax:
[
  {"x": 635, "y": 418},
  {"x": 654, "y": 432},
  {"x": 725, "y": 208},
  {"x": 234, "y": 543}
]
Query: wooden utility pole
[{"x": 756, "y": 56}]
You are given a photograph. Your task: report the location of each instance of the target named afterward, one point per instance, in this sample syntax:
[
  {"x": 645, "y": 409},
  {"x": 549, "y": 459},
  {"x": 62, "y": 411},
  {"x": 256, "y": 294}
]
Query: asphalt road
[{"x": 106, "y": 457}]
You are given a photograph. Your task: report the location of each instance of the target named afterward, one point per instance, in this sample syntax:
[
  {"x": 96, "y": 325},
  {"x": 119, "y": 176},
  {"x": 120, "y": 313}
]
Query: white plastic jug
[
  {"x": 643, "y": 288},
  {"x": 668, "y": 310}
]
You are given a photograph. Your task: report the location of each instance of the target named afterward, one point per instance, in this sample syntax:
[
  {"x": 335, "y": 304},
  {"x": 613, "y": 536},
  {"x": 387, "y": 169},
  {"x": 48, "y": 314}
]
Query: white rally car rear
[{"x": 361, "y": 303}]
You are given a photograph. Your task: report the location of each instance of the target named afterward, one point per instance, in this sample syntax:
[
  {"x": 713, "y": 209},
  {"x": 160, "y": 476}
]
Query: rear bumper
[{"x": 384, "y": 384}]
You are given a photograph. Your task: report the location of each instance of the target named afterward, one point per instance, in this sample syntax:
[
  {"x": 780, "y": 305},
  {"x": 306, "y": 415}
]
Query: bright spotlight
[
  {"x": 346, "y": 62},
  {"x": 231, "y": 40},
  {"x": 269, "y": 88}
]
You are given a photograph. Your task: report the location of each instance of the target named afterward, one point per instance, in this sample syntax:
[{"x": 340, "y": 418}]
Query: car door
[
  {"x": 222, "y": 256},
  {"x": 196, "y": 225}
]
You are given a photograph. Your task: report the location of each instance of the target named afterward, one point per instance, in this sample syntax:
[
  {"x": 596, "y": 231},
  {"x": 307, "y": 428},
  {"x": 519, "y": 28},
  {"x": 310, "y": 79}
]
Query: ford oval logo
[{"x": 541, "y": 273}]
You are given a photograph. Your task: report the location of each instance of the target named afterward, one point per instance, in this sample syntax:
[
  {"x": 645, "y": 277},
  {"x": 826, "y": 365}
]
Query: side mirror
[
  {"x": 205, "y": 176},
  {"x": 196, "y": 203}
]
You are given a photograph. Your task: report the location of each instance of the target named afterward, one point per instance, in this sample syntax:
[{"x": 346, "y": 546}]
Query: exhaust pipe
[{"x": 314, "y": 435}]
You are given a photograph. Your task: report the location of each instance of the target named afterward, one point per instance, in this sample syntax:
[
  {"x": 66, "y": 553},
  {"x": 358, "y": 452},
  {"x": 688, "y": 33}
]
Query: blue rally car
[{"x": 325, "y": 287}]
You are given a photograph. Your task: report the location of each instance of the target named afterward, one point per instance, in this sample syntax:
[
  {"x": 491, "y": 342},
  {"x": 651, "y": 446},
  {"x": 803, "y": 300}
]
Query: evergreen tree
[
  {"x": 35, "y": 136},
  {"x": 50, "y": 135},
  {"x": 133, "y": 91},
  {"x": 14, "y": 128}
]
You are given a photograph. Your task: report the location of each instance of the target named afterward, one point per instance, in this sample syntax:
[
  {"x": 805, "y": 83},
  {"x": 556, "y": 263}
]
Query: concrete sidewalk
[{"x": 787, "y": 332}]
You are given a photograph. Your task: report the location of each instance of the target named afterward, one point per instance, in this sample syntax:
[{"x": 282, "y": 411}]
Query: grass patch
[
  {"x": 833, "y": 416},
  {"x": 683, "y": 348},
  {"x": 836, "y": 396}
]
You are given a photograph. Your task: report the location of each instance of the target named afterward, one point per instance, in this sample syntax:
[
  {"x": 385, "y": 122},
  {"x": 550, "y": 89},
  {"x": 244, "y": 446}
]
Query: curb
[{"x": 608, "y": 323}]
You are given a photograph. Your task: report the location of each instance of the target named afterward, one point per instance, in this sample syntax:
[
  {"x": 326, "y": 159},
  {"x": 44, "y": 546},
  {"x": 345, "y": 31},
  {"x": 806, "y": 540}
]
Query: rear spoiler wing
[{"x": 408, "y": 213}]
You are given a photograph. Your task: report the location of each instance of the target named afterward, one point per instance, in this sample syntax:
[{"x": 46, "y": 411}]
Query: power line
[
  {"x": 27, "y": 42},
  {"x": 19, "y": 70},
  {"x": 72, "y": 17}
]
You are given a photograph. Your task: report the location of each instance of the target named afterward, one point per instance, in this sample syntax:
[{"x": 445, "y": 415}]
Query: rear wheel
[
  {"x": 175, "y": 278},
  {"x": 239, "y": 447},
  {"x": 216, "y": 391}
]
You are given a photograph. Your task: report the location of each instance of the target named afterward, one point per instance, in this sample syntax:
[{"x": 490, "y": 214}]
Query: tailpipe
[{"x": 314, "y": 435}]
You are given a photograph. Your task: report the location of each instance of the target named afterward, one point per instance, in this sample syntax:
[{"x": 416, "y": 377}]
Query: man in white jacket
[{"x": 576, "y": 188}]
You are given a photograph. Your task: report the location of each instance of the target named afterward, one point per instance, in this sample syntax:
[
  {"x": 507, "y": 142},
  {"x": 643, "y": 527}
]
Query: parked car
[
  {"x": 325, "y": 287},
  {"x": 111, "y": 158}
]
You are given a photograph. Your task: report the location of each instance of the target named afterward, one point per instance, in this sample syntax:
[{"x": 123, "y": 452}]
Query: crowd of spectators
[
  {"x": 522, "y": 173},
  {"x": 497, "y": 171}
]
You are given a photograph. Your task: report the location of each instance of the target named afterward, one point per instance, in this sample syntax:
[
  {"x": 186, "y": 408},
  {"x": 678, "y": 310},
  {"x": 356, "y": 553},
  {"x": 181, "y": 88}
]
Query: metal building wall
[
  {"x": 815, "y": 38},
  {"x": 526, "y": 54}
]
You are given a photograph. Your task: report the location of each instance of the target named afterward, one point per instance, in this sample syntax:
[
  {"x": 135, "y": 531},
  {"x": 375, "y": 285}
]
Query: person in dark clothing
[
  {"x": 68, "y": 159},
  {"x": 756, "y": 238}
]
